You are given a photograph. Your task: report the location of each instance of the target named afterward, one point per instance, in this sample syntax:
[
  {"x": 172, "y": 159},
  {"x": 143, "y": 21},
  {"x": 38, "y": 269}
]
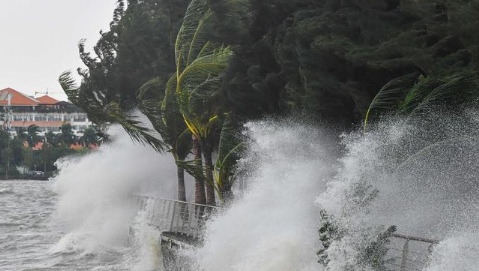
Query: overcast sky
[{"x": 38, "y": 40}]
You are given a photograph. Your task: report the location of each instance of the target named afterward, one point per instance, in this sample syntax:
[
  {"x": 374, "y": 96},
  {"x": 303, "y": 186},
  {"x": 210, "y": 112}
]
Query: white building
[{"x": 45, "y": 112}]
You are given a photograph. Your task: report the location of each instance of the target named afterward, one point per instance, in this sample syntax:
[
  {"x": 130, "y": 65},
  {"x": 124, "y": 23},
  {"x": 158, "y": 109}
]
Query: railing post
[
  {"x": 173, "y": 216},
  {"x": 178, "y": 215}
]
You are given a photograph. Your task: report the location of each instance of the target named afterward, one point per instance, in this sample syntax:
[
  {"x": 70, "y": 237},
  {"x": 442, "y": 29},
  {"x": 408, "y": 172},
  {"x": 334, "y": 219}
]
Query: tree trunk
[
  {"x": 210, "y": 187},
  {"x": 200, "y": 197},
  {"x": 181, "y": 184}
]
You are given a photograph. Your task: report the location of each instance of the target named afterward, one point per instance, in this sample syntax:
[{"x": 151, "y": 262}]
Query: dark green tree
[
  {"x": 66, "y": 137},
  {"x": 33, "y": 135},
  {"x": 89, "y": 137}
]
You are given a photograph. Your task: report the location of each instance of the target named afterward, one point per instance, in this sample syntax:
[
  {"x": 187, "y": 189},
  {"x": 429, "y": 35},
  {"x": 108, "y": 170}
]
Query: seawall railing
[
  {"x": 172, "y": 216},
  {"x": 185, "y": 221},
  {"x": 409, "y": 253}
]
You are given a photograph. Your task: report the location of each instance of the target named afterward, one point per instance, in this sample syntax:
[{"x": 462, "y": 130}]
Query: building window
[
  {"x": 55, "y": 118},
  {"x": 79, "y": 119},
  {"x": 40, "y": 118}
]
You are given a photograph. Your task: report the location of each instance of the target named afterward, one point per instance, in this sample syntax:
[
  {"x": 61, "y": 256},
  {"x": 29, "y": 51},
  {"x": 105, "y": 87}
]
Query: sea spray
[
  {"x": 422, "y": 176},
  {"x": 92, "y": 198},
  {"x": 147, "y": 241},
  {"x": 458, "y": 252},
  {"x": 417, "y": 174},
  {"x": 273, "y": 226}
]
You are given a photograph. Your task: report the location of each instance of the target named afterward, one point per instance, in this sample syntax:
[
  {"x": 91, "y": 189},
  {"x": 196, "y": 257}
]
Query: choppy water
[
  {"x": 33, "y": 237},
  {"x": 26, "y": 231}
]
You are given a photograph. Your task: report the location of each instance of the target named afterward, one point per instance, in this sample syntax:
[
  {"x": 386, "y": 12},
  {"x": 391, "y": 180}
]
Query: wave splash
[
  {"x": 93, "y": 203},
  {"x": 418, "y": 175}
]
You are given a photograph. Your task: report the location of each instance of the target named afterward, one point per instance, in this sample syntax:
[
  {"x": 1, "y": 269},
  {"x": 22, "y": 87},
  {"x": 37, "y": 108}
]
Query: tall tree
[
  {"x": 199, "y": 65},
  {"x": 161, "y": 108},
  {"x": 66, "y": 137},
  {"x": 33, "y": 135},
  {"x": 89, "y": 137}
]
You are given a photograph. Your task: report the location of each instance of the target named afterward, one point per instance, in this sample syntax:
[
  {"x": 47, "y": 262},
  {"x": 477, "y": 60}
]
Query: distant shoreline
[{"x": 21, "y": 178}]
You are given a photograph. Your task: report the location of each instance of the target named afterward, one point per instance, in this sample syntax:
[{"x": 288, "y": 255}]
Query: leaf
[
  {"x": 390, "y": 96},
  {"x": 458, "y": 88},
  {"x": 135, "y": 129},
  {"x": 192, "y": 36},
  {"x": 191, "y": 166},
  {"x": 230, "y": 147}
]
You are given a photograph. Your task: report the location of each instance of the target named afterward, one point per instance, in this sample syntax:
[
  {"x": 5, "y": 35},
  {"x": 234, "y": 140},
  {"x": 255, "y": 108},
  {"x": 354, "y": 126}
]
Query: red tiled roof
[
  {"x": 17, "y": 98},
  {"x": 46, "y": 100},
  {"x": 75, "y": 146},
  {"x": 37, "y": 147},
  {"x": 25, "y": 124}
]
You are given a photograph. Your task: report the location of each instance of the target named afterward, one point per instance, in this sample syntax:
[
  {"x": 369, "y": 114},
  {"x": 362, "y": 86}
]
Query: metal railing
[
  {"x": 409, "y": 253},
  {"x": 406, "y": 253},
  {"x": 173, "y": 216}
]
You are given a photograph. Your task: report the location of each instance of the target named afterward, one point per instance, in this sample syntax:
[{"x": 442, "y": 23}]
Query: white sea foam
[
  {"x": 93, "y": 190},
  {"x": 273, "y": 227},
  {"x": 425, "y": 174}
]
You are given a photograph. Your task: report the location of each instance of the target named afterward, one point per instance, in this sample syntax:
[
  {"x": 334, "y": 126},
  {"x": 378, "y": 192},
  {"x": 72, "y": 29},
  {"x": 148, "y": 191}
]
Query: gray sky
[{"x": 38, "y": 40}]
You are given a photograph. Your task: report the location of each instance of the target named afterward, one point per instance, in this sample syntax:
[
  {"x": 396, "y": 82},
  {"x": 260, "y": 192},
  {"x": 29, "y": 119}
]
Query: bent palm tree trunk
[
  {"x": 210, "y": 189},
  {"x": 200, "y": 197},
  {"x": 181, "y": 183}
]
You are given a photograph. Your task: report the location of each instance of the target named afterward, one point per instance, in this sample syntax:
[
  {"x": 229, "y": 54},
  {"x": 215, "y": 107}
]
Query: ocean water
[
  {"x": 26, "y": 229},
  {"x": 33, "y": 237},
  {"x": 31, "y": 233},
  {"x": 81, "y": 220}
]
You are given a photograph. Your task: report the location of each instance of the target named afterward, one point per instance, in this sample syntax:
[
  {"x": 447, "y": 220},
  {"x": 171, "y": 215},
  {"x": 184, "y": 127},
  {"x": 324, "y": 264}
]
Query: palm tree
[
  {"x": 187, "y": 109},
  {"x": 51, "y": 139},
  {"x": 89, "y": 137},
  {"x": 67, "y": 137},
  {"x": 415, "y": 98},
  {"x": 229, "y": 149},
  {"x": 161, "y": 108},
  {"x": 199, "y": 66},
  {"x": 22, "y": 133},
  {"x": 32, "y": 135},
  {"x": 411, "y": 95}
]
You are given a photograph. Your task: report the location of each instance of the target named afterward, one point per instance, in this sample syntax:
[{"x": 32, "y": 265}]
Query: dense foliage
[
  {"x": 28, "y": 151},
  {"x": 194, "y": 66}
]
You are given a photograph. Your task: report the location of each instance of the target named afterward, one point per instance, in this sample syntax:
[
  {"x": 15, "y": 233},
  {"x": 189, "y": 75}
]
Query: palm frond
[
  {"x": 203, "y": 71},
  {"x": 192, "y": 35},
  {"x": 150, "y": 98},
  {"x": 229, "y": 150},
  {"x": 69, "y": 86},
  {"x": 196, "y": 86},
  {"x": 458, "y": 88},
  {"x": 418, "y": 93},
  {"x": 135, "y": 128},
  {"x": 390, "y": 96},
  {"x": 191, "y": 166}
]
